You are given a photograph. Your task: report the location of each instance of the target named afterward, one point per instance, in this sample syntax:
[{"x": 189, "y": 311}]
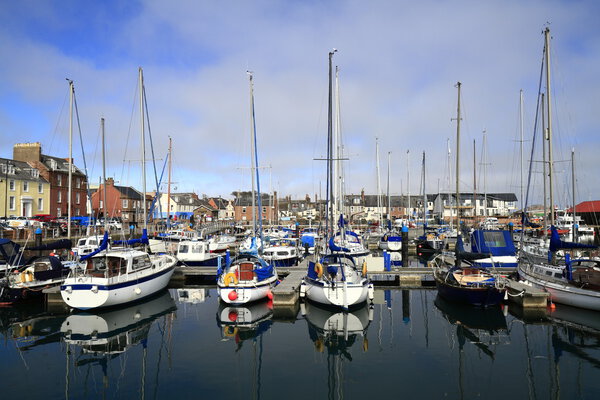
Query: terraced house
[
  {"x": 23, "y": 192},
  {"x": 55, "y": 170}
]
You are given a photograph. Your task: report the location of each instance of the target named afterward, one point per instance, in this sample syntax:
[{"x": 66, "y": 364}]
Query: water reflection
[
  {"x": 113, "y": 331},
  {"x": 483, "y": 327},
  {"x": 240, "y": 323}
]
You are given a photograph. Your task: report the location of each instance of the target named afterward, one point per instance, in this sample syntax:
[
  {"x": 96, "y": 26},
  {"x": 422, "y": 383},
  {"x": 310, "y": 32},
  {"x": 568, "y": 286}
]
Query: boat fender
[
  {"x": 230, "y": 277},
  {"x": 230, "y": 331},
  {"x": 319, "y": 269},
  {"x": 385, "y": 238},
  {"x": 364, "y": 268}
]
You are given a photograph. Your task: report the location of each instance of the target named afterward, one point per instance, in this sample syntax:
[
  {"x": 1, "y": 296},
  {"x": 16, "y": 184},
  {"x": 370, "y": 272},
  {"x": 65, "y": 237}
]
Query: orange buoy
[
  {"x": 270, "y": 295},
  {"x": 232, "y": 316},
  {"x": 232, "y": 295}
]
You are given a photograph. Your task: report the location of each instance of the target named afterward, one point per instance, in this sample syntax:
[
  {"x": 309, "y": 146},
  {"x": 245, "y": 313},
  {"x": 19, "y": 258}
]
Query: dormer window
[
  {"x": 53, "y": 164},
  {"x": 35, "y": 173}
]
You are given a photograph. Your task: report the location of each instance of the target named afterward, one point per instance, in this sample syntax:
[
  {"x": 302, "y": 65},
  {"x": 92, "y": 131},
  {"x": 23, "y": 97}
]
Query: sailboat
[
  {"x": 465, "y": 284},
  {"x": 336, "y": 279},
  {"x": 114, "y": 276},
  {"x": 248, "y": 277},
  {"x": 391, "y": 239},
  {"x": 572, "y": 282}
]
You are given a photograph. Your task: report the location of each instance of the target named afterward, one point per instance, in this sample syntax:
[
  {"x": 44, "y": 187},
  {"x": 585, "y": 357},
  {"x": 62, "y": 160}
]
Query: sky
[{"x": 399, "y": 62}]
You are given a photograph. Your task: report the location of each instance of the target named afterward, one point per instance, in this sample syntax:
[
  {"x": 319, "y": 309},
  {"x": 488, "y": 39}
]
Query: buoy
[
  {"x": 232, "y": 315},
  {"x": 232, "y": 295},
  {"x": 270, "y": 304},
  {"x": 552, "y": 306},
  {"x": 270, "y": 295}
]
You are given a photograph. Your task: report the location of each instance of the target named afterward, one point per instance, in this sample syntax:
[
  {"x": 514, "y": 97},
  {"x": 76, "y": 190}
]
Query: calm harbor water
[{"x": 184, "y": 344}]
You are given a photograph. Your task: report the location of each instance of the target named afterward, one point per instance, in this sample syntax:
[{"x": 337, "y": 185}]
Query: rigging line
[
  {"x": 87, "y": 185},
  {"x": 535, "y": 126},
  {"x": 129, "y": 130},
  {"x": 150, "y": 137},
  {"x": 57, "y": 123}
]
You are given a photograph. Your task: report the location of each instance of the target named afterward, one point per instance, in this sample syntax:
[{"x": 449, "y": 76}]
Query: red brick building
[
  {"x": 56, "y": 171},
  {"x": 121, "y": 202}
]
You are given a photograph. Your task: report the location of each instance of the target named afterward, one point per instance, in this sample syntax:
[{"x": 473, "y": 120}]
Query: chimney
[
  {"x": 362, "y": 196},
  {"x": 307, "y": 198},
  {"x": 110, "y": 182},
  {"x": 27, "y": 152}
]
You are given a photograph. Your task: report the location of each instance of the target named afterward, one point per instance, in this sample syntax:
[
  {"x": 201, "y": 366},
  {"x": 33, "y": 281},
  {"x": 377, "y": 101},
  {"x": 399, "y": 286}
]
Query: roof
[
  {"x": 59, "y": 164},
  {"x": 587, "y": 207},
  {"x": 22, "y": 171},
  {"x": 129, "y": 192}
]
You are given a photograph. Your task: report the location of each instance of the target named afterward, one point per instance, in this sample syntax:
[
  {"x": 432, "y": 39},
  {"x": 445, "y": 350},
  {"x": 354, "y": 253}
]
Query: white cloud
[{"x": 399, "y": 63}]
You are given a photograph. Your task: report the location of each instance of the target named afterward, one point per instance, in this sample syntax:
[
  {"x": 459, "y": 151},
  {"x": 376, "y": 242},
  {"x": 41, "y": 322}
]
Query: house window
[
  {"x": 11, "y": 202},
  {"x": 264, "y": 210},
  {"x": 11, "y": 185},
  {"x": 77, "y": 198},
  {"x": 58, "y": 212},
  {"x": 77, "y": 212},
  {"x": 59, "y": 198},
  {"x": 78, "y": 183},
  {"x": 40, "y": 188},
  {"x": 40, "y": 204},
  {"x": 59, "y": 180},
  {"x": 125, "y": 203},
  {"x": 101, "y": 204},
  {"x": 243, "y": 209}
]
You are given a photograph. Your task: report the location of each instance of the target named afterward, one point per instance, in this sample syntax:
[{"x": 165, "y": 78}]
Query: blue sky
[{"x": 399, "y": 62}]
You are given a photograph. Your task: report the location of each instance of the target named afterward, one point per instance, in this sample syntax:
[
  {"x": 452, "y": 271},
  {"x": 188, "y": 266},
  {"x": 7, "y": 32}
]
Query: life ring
[
  {"x": 319, "y": 269},
  {"x": 364, "y": 268},
  {"x": 229, "y": 332},
  {"x": 228, "y": 278}
]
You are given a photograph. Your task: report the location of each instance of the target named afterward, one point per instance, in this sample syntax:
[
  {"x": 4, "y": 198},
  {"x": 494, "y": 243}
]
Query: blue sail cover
[
  {"x": 130, "y": 242},
  {"x": 494, "y": 242},
  {"x": 557, "y": 244},
  {"x": 103, "y": 246}
]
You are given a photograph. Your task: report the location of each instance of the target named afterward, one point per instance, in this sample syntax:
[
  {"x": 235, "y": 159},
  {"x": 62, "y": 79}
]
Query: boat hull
[
  {"x": 563, "y": 293},
  {"x": 324, "y": 292},
  {"x": 88, "y": 292},
  {"x": 245, "y": 293},
  {"x": 479, "y": 297}
]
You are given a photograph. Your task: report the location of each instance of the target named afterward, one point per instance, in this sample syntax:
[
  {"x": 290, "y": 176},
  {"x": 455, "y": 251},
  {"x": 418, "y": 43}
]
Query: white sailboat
[
  {"x": 248, "y": 277},
  {"x": 115, "y": 276},
  {"x": 337, "y": 279},
  {"x": 571, "y": 282}
]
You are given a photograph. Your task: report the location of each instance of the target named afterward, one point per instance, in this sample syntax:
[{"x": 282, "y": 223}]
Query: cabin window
[
  {"x": 183, "y": 248},
  {"x": 141, "y": 263},
  {"x": 549, "y": 273},
  {"x": 558, "y": 275},
  {"x": 282, "y": 253}
]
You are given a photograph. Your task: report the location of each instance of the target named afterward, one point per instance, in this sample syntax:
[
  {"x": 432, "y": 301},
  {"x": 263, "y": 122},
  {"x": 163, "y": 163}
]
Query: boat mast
[
  {"x": 573, "y": 231},
  {"x": 521, "y": 140},
  {"x": 255, "y": 171},
  {"x": 389, "y": 198},
  {"x": 141, "y": 78},
  {"x": 252, "y": 150},
  {"x": 104, "y": 176},
  {"x": 424, "y": 195},
  {"x": 337, "y": 195},
  {"x": 169, "y": 188},
  {"x": 408, "y": 183},
  {"x": 379, "y": 205},
  {"x": 474, "y": 184},
  {"x": 458, "y": 84},
  {"x": 329, "y": 218},
  {"x": 71, "y": 100},
  {"x": 449, "y": 161},
  {"x": 545, "y": 133},
  {"x": 485, "y": 205},
  {"x": 549, "y": 108}
]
